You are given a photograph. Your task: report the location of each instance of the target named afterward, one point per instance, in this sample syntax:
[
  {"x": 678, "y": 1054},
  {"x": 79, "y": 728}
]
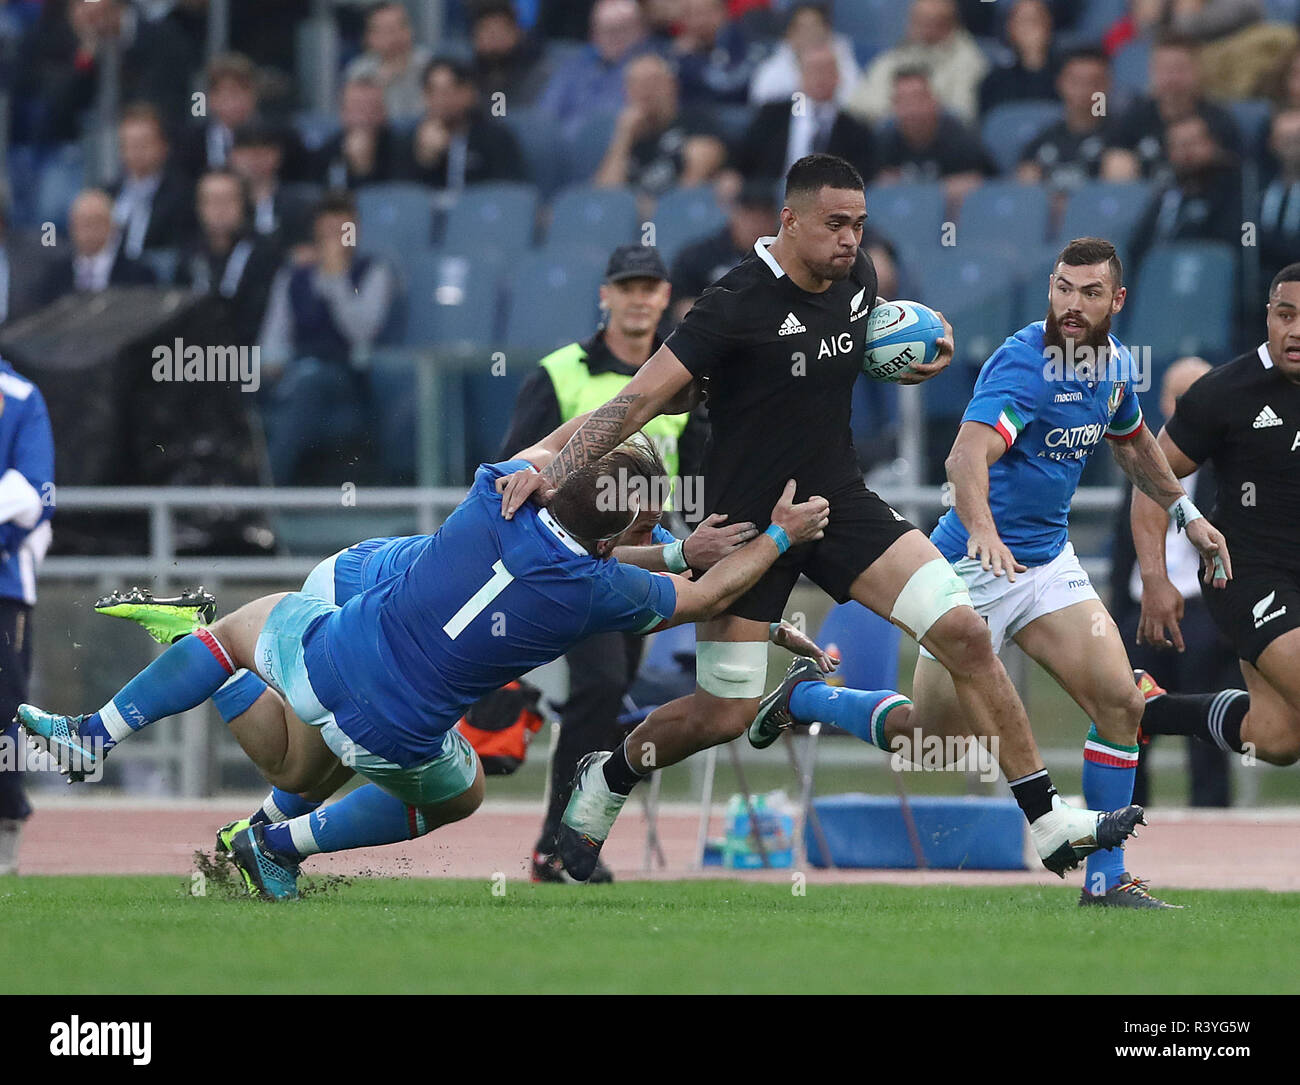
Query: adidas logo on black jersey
[
  {"x": 1267, "y": 417},
  {"x": 791, "y": 326}
]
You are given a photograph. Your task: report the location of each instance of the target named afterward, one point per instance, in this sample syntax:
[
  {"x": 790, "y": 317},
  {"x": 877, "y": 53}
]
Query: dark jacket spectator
[
  {"x": 281, "y": 212},
  {"x": 96, "y": 261},
  {"x": 153, "y": 201},
  {"x": 1279, "y": 205},
  {"x": 365, "y": 151},
  {"x": 1069, "y": 152},
  {"x": 394, "y": 60},
  {"x": 715, "y": 58},
  {"x": 1030, "y": 70},
  {"x": 506, "y": 59}
]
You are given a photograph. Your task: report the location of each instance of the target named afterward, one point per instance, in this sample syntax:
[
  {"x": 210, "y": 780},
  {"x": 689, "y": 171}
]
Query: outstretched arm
[{"x": 978, "y": 446}]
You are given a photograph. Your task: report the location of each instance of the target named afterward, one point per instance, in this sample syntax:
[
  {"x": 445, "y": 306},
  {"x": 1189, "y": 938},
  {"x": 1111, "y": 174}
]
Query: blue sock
[
  {"x": 185, "y": 675},
  {"x": 1108, "y": 774},
  {"x": 280, "y": 806},
  {"x": 364, "y": 818},
  {"x": 861, "y": 712},
  {"x": 237, "y": 695}
]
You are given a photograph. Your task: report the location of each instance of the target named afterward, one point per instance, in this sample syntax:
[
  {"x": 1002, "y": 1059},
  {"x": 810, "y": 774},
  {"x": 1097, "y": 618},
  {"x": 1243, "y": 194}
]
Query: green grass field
[{"x": 148, "y": 935}]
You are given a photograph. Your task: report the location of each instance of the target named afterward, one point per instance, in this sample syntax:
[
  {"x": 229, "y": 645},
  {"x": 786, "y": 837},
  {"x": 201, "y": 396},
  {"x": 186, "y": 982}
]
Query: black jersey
[
  {"x": 780, "y": 363},
  {"x": 1245, "y": 418}
]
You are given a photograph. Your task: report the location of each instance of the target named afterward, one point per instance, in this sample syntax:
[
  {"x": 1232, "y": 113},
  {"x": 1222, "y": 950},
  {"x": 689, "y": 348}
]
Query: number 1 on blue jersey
[{"x": 501, "y": 576}]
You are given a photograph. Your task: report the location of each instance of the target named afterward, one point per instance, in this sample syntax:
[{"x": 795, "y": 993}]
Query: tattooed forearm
[
  {"x": 1143, "y": 461},
  {"x": 601, "y": 433}
]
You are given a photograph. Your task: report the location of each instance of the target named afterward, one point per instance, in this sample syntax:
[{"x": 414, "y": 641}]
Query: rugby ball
[{"x": 900, "y": 334}]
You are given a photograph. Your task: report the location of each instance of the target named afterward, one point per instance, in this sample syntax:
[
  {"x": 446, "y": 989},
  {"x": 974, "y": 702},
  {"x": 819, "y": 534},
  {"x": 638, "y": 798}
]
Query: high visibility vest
[{"x": 579, "y": 390}]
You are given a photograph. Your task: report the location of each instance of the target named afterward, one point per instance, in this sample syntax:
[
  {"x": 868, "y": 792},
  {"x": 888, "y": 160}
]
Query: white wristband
[
  {"x": 1182, "y": 512},
  {"x": 675, "y": 557}
]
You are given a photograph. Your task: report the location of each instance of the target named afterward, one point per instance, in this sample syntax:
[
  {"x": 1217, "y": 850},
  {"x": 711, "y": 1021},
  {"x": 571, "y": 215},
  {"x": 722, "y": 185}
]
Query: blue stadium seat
[
  {"x": 910, "y": 215},
  {"x": 731, "y": 120},
  {"x": 586, "y": 149},
  {"x": 999, "y": 211},
  {"x": 974, "y": 286},
  {"x": 1184, "y": 300},
  {"x": 1282, "y": 11},
  {"x": 1106, "y": 209},
  {"x": 451, "y": 299},
  {"x": 539, "y": 140},
  {"x": 1253, "y": 116},
  {"x": 1129, "y": 67},
  {"x": 1032, "y": 290},
  {"x": 1096, "y": 17},
  {"x": 315, "y": 129},
  {"x": 495, "y": 216},
  {"x": 684, "y": 215},
  {"x": 601, "y": 218},
  {"x": 553, "y": 297},
  {"x": 879, "y": 24},
  {"x": 489, "y": 401},
  {"x": 62, "y": 176},
  {"x": 1009, "y": 128},
  {"x": 868, "y": 647},
  {"x": 395, "y": 218}
]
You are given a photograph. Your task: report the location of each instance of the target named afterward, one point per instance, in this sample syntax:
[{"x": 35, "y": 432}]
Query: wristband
[
  {"x": 772, "y": 630},
  {"x": 1182, "y": 512},
  {"x": 778, "y": 536},
  {"x": 675, "y": 557}
]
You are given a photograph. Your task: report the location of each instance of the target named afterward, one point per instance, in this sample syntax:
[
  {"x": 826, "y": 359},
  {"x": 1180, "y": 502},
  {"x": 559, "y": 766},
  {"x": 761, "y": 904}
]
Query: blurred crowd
[{"x": 226, "y": 181}]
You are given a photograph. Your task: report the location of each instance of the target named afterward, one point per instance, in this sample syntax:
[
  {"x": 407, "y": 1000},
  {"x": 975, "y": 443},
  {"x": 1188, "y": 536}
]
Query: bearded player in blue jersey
[
  {"x": 376, "y": 685},
  {"x": 1043, "y": 403}
]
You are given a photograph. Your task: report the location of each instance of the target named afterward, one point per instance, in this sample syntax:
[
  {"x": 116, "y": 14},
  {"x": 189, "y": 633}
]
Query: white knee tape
[
  {"x": 736, "y": 670},
  {"x": 932, "y": 591}
]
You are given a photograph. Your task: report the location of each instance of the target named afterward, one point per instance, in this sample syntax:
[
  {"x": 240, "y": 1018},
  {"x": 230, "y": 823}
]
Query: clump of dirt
[
  {"x": 215, "y": 875},
  {"x": 320, "y": 884}
]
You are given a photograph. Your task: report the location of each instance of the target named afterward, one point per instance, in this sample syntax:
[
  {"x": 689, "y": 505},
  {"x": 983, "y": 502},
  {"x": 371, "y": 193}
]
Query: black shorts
[
  {"x": 862, "y": 527},
  {"x": 1259, "y": 604}
]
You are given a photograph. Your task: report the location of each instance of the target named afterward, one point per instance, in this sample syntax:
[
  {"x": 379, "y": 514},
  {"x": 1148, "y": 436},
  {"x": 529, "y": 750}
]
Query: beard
[
  {"x": 831, "y": 271},
  {"x": 1095, "y": 336}
]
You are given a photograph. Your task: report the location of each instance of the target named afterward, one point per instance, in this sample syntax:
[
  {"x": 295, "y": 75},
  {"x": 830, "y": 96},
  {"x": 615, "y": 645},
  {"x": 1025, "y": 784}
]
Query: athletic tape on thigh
[
  {"x": 736, "y": 670},
  {"x": 931, "y": 591}
]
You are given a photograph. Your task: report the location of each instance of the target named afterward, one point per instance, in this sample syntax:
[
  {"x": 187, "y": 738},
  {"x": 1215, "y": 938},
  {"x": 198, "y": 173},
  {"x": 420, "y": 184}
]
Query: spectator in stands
[
  {"x": 281, "y": 213},
  {"x": 570, "y": 19},
  {"x": 153, "y": 200},
  {"x": 229, "y": 260},
  {"x": 1202, "y": 202},
  {"x": 96, "y": 261},
  {"x": 506, "y": 59},
  {"x": 656, "y": 144},
  {"x": 1136, "y": 148},
  {"x": 754, "y": 213},
  {"x": 938, "y": 45},
  {"x": 592, "y": 82},
  {"x": 1208, "y": 662},
  {"x": 777, "y": 78},
  {"x": 1195, "y": 20},
  {"x": 231, "y": 99},
  {"x": 926, "y": 144},
  {"x": 24, "y": 273},
  {"x": 1029, "y": 72},
  {"x": 365, "y": 151},
  {"x": 1279, "y": 208},
  {"x": 715, "y": 58},
  {"x": 322, "y": 321},
  {"x": 63, "y": 51},
  {"x": 456, "y": 143},
  {"x": 781, "y": 133},
  {"x": 393, "y": 58},
  {"x": 1068, "y": 152}
]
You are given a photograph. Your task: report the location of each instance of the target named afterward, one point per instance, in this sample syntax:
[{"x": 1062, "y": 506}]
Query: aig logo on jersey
[
  {"x": 839, "y": 344},
  {"x": 1259, "y": 608}
]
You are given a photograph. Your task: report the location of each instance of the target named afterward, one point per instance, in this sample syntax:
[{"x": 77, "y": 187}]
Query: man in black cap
[{"x": 571, "y": 381}]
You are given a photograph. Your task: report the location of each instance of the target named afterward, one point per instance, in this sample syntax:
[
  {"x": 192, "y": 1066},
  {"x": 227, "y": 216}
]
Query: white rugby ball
[{"x": 900, "y": 334}]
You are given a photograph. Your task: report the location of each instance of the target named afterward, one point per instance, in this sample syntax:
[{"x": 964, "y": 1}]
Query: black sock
[
  {"x": 1034, "y": 794},
  {"x": 619, "y": 773},
  {"x": 1212, "y": 717}
]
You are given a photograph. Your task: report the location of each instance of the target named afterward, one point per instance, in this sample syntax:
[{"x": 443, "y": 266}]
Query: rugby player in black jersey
[
  {"x": 780, "y": 340},
  {"x": 1244, "y": 418}
]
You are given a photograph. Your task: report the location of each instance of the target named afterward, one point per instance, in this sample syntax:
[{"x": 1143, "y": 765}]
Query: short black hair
[
  {"x": 485, "y": 9},
  {"x": 1289, "y": 274},
  {"x": 814, "y": 172},
  {"x": 580, "y": 505},
  {"x": 337, "y": 202},
  {"x": 817, "y": 7},
  {"x": 1086, "y": 52},
  {"x": 1084, "y": 251},
  {"x": 460, "y": 71}
]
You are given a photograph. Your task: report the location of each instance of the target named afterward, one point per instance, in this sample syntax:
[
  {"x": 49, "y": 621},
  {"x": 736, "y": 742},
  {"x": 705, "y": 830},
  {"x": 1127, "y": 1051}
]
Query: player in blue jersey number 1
[{"x": 376, "y": 685}]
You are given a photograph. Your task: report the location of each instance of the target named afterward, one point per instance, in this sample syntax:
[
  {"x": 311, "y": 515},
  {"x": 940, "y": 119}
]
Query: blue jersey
[
  {"x": 26, "y": 484},
  {"x": 375, "y": 560},
  {"x": 1052, "y": 420},
  {"x": 479, "y": 603}
]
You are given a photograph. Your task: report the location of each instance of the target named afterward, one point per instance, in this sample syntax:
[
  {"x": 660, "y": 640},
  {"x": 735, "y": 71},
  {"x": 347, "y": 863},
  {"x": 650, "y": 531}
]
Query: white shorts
[{"x": 1043, "y": 589}]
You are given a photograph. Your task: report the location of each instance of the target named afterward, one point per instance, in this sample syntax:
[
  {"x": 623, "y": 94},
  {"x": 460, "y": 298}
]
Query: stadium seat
[
  {"x": 1252, "y": 116},
  {"x": 62, "y": 176},
  {"x": 1282, "y": 11},
  {"x": 1129, "y": 67},
  {"x": 395, "y": 218},
  {"x": 553, "y": 296},
  {"x": 602, "y": 218},
  {"x": 1106, "y": 209},
  {"x": 684, "y": 215},
  {"x": 731, "y": 121},
  {"x": 974, "y": 287},
  {"x": 488, "y": 402},
  {"x": 539, "y": 140},
  {"x": 586, "y": 148},
  {"x": 879, "y": 24},
  {"x": 910, "y": 215},
  {"x": 496, "y": 216},
  {"x": 1009, "y": 128},
  {"x": 1002, "y": 210},
  {"x": 451, "y": 299},
  {"x": 1184, "y": 300}
]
